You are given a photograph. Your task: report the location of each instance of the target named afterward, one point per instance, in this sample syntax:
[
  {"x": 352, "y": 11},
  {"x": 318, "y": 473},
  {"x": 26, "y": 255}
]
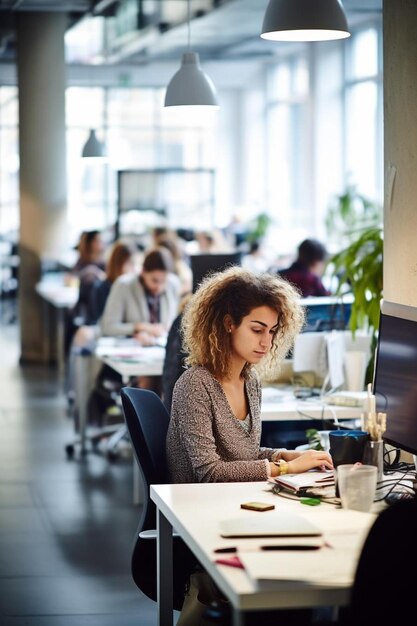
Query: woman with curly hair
[{"x": 236, "y": 320}]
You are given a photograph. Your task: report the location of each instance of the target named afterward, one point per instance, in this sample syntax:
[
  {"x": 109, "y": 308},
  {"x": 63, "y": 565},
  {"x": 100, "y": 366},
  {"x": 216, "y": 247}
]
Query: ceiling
[{"x": 229, "y": 31}]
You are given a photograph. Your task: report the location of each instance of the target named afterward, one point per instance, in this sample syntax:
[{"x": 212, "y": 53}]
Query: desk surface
[
  {"x": 279, "y": 403},
  {"x": 56, "y": 293},
  {"x": 128, "y": 358},
  {"x": 195, "y": 510}
]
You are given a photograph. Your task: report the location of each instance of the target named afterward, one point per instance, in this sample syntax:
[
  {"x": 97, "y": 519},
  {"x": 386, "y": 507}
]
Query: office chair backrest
[
  {"x": 147, "y": 421},
  {"x": 384, "y": 587}
]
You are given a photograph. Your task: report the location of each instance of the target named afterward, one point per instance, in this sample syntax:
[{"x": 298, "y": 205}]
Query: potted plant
[
  {"x": 258, "y": 228},
  {"x": 358, "y": 266},
  {"x": 350, "y": 214}
]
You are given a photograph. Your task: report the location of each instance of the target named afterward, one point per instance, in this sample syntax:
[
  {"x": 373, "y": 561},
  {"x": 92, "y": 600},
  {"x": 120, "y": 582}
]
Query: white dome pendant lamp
[
  {"x": 190, "y": 87},
  {"x": 305, "y": 20},
  {"x": 93, "y": 148}
]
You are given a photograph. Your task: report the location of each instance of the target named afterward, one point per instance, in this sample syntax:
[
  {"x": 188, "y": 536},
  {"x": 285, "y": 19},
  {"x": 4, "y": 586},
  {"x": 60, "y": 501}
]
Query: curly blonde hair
[{"x": 235, "y": 292}]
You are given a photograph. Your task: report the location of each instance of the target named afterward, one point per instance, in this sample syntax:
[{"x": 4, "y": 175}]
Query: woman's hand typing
[{"x": 306, "y": 460}]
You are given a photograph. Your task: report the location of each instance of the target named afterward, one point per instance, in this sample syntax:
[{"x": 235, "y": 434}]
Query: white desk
[
  {"x": 128, "y": 358},
  {"x": 195, "y": 510},
  {"x": 279, "y": 403},
  {"x": 62, "y": 298}
]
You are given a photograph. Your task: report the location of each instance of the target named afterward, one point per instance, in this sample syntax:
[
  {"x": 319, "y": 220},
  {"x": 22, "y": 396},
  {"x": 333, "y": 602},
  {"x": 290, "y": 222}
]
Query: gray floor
[{"x": 66, "y": 526}]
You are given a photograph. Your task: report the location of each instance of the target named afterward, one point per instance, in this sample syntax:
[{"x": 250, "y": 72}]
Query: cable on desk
[
  {"x": 323, "y": 418},
  {"x": 395, "y": 482}
]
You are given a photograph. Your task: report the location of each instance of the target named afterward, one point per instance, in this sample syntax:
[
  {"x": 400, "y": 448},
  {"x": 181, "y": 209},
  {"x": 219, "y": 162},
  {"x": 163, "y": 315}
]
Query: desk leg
[
  {"x": 238, "y": 618},
  {"x": 82, "y": 364},
  {"x": 164, "y": 570},
  {"x": 60, "y": 340}
]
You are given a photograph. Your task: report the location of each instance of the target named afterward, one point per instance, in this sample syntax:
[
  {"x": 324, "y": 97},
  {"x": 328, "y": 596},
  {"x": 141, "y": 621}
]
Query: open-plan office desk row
[
  {"x": 272, "y": 579},
  {"x": 279, "y": 404},
  {"x": 130, "y": 360}
]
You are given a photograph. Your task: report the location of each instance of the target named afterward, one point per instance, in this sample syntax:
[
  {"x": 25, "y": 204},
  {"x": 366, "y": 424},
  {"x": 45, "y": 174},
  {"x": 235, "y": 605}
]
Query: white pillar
[{"x": 41, "y": 82}]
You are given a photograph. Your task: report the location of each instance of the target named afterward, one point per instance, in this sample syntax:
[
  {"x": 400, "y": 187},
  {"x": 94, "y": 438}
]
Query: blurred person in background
[
  {"x": 254, "y": 260},
  {"x": 90, "y": 250},
  {"x": 88, "y": 268},
  {"x": 306, "y": 271},
  {"x": 120, "y": 262},
  {"x": 181, "y": 268},
  {"x": 144, "y": 306},
  {"x": 212, "y": 241}
]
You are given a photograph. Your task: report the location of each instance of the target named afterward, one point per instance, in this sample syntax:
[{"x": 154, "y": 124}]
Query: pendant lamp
[
  {"x": 93, "y": 148},
  {"x": 304, "y": 20},
  {"x": 190, "y": 86}
]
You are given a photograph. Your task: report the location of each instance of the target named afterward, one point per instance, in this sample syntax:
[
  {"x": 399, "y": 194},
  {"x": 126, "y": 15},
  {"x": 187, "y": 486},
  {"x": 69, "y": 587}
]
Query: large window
[
  {"x": 9, "y": 161},
  {"x": 323, "y": 127},
  {"x": 363, "y": 113},
  {"x": 137, "y": 134},
  {"x": 288, "y": 140}
]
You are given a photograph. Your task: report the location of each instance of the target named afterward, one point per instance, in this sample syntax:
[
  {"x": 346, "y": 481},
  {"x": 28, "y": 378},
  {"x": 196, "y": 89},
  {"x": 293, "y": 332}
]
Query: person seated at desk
[
  {"x": 120, "y": 262},
  {"x": 91, "y": 251},
  {"x": 181, "y": 267},
  {"x": 235, "y": 320},
  {"x": 305, "y": 273},
  {"x": 143, "y": 306},
  {"x": 88, "y": 269}
]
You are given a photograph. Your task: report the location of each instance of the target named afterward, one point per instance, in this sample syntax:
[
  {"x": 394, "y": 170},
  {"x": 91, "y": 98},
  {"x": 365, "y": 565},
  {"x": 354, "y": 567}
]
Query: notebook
[{"x": 277, "y": 524}]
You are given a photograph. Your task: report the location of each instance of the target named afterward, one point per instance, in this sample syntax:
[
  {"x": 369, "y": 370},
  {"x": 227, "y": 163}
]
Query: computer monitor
[
  {"x": 320, "y": 354},
  {"x": 204, "y": 264},
  {"x": 327, "y": 312},
  {"x": 395, "y": 378}
]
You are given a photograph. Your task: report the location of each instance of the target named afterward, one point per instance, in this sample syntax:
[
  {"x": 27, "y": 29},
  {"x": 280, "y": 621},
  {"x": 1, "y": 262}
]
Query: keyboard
[{"x": 347, "y": 398}]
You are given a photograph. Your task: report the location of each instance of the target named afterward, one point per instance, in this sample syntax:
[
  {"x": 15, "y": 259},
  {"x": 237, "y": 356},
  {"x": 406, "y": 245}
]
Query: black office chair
[
  {"x": 384, "y": 585},
  {"x": 147, "y": 421}
]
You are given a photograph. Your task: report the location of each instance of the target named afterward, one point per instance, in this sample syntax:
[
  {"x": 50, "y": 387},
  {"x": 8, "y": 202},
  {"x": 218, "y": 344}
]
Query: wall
[{"x": 400, "y": 146}]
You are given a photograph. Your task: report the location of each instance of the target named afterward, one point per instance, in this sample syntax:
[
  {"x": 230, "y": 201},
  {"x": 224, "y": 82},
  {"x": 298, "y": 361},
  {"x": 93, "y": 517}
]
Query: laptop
[{"x": 274, "y": 524}]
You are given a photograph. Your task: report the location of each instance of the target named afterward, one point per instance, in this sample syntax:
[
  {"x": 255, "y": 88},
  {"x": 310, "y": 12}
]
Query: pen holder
[{"x": 374, "y": 455}]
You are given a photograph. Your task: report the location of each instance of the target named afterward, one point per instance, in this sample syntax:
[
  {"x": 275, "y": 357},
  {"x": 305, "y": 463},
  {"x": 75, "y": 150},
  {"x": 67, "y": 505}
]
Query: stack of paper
[{"x": 305, "y": 480}]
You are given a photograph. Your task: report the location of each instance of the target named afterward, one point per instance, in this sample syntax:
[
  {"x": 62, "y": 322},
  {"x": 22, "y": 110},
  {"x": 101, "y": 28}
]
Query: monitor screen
[
  {"x": 327, "y": 312},
  {"x": 204, "y": 264},
  {"x": 395, "y": 378}
]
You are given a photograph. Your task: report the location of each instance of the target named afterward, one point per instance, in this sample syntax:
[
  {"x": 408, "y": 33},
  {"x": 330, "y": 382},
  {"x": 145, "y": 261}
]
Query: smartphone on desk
[{"x": 257, "y": 506}]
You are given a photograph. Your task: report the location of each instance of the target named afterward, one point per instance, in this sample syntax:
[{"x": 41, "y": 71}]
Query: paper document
[
  {"x": 275, "y": 394},
  {"x": 132, "y": 352},
  {"x": 326, "y": 566}
]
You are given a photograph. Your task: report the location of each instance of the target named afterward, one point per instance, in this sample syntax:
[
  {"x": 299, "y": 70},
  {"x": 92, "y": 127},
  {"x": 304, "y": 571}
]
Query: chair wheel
[{"x": 69, "y": 449}]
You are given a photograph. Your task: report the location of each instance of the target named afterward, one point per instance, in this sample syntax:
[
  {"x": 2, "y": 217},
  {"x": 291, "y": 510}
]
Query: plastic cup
[{"x": 357, "y": 486}]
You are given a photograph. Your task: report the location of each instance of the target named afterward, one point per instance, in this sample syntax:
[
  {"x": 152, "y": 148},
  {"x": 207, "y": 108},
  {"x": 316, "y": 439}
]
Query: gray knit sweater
[{"x": 206, "y": 442}]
